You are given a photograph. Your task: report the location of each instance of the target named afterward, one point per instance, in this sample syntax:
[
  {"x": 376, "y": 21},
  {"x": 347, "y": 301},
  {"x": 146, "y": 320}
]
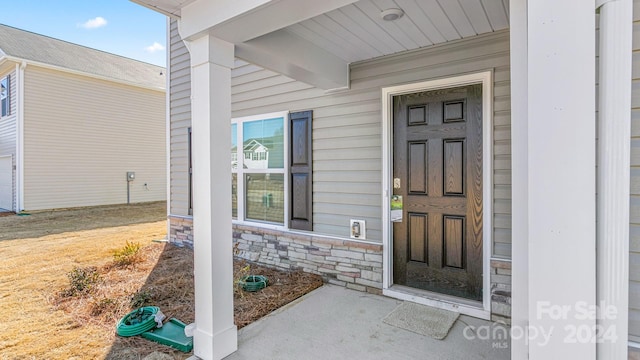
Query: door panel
[
  {"x": 418, "y": 155},
  {"x": 454, "y": 241},
  {"x": 418, "y": 230},
  {"x": 454, "y": 111},
  {"x": 453, "y": 155},
  {"x": 438, "y": 160}
]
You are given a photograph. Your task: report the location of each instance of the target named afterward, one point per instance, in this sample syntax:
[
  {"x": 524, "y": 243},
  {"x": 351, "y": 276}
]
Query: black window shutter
[{"x": 301, "y": 171}]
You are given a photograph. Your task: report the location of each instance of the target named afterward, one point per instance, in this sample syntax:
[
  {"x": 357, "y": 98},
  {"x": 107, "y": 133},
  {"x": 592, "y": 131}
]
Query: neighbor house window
[
  {"x": 5, "y": 95},
  {"x": 259, "y": 168}
]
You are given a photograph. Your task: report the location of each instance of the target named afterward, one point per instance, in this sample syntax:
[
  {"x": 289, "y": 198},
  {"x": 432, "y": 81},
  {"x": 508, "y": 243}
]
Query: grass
[
  {"x": 81, "y": 281},
  {"x": 129, "y": 254},
  {"x": 70, "y": 287},
  {"x": 41, "y": 223},
  {"x": 162, "y": 276},
  {"x": 35, "y": 269}
]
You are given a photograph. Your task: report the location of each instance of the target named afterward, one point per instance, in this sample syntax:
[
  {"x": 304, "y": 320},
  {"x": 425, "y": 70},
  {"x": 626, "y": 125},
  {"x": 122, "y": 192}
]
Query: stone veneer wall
[
  {"x": 180, "y": 231},
  {"x": 353, "y": 264},
  {"x": 501, "y": 290}
]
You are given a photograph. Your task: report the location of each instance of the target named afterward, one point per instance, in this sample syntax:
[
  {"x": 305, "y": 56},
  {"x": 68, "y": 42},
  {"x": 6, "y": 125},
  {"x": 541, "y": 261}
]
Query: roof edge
[
  {"x": 157, "y": 9},
  {"x": 82, "y": 73},
  {"x": 6, "y": 64},
  {"x": 85, "y": 47}
]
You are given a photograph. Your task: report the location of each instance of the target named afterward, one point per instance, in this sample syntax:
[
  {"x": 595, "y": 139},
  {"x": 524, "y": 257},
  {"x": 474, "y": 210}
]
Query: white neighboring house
[
  {"x": 74, "y": 121},
  {"x": 256, "y": 155}
]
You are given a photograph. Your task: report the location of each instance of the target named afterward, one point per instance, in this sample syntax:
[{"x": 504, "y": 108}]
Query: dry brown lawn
[
  {"x": 34, "y": 269},
  {"x": 38, "y": 322},
  {"x": 40, "y": 223}
]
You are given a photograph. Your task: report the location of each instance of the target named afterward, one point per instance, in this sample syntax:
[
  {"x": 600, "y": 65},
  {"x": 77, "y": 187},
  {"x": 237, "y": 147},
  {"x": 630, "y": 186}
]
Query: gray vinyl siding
[
  {"x": 180, "y": 107},
  {"x": 634, "y": 229},
  {"x": 81, "y": 136},
  {"x": 8, "y": 129},
  {"x": 347, "y": 127}
]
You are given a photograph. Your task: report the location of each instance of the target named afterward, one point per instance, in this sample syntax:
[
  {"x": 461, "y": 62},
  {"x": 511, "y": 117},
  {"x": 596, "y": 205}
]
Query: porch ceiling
[
  {"x": 357, "y": 32},
  {"x": 314, "y": 42}
]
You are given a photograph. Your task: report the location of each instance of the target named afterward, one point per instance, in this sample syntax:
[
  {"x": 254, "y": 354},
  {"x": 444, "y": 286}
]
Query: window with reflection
[{"x": 258, "y": 168}]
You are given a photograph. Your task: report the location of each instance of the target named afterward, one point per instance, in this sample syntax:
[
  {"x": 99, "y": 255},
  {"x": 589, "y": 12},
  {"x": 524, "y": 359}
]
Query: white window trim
[
  {"x": 8, "y": 96},
  {"x": 438, "y": 300},
  {"x": 240, "y": 220}
]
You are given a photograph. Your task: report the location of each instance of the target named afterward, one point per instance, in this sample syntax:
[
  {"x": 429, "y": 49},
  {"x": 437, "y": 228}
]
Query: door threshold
[{"x": 440, "y": 301}]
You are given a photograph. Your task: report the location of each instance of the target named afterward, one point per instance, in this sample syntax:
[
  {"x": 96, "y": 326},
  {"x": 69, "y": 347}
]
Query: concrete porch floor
[{"x": 337, "y": 323}]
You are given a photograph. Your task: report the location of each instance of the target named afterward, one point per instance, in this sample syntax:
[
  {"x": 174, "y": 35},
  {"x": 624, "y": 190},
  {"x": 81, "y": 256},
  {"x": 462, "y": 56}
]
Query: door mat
[{"x": 421, "y": 319}]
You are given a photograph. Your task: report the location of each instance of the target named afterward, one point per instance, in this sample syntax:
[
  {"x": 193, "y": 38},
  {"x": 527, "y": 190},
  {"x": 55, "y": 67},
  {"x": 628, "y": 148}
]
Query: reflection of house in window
[
  {"x": 256, "y": 155},
  {"x": 234, "y": 158}
]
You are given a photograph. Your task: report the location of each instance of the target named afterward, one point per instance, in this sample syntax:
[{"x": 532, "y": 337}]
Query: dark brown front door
[{"x": 437, "y": 169}]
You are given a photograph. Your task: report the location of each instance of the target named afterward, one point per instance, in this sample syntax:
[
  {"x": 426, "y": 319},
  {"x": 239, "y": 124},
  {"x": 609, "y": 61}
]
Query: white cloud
[
  {"x": 94, "y": 23},
  {"x": 154, "y": 47}
]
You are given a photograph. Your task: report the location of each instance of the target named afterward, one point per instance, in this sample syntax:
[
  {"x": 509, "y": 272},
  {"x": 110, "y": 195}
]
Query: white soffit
[
  {"x": 356, "y": 32},
  {"x": 167, "y": 7},
  {"x": 238, "y": 21},
  {"x": 340, "y": 32}
]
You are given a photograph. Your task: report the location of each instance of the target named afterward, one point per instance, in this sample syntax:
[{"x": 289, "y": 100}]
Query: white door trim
[
  {"x": 10, "y": 157},
  {"x": 486, "y": 79}
]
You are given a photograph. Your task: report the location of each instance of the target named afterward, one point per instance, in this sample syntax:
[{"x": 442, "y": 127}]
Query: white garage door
[{"x": 6, "y": 183}]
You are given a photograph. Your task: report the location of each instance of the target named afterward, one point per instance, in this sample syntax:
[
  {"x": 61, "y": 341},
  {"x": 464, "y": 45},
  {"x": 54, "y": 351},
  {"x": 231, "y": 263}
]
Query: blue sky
[
  {"x": 262, "y": 129},
  {"x": 116, "y": 26},
  {"x": 257, "y": 129}
]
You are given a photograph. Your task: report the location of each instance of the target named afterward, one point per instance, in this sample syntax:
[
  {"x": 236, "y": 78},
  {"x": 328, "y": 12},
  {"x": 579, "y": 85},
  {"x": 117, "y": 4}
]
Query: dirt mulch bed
[
  {"x": 163, "y": 277},
  {"x": 284, "y": 287}
]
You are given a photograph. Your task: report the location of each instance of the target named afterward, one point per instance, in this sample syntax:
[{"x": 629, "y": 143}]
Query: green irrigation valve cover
[
  {"x": 140, "y": 320},
  {"x": 253, "y": 282},
  {"x": 171, "y": 334}
]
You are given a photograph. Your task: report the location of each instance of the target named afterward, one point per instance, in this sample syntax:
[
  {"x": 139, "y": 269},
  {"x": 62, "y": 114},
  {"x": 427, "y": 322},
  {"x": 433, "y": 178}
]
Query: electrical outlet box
[
  {"x": 358, "y": 229},
  {"x": 131, "y": 175}
]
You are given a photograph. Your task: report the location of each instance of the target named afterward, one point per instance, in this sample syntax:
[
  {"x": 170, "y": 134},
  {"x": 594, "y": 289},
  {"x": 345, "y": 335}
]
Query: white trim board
[
  {"x": 167, "y": 129},
  {"x": 437, "y": 301},
  {"x": 486, "y": 79},
  {"x": 11, "y": 182},
  {"x": 19, "y": 190}
]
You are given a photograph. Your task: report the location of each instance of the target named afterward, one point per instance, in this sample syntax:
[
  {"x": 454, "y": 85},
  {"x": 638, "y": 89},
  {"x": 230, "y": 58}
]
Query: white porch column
[
  {"x": 211, "y": 60},
  {"x": 519, "y": 177},
  {"x": 553, "y": 147},
  {"x": 614, "y": 127}
]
